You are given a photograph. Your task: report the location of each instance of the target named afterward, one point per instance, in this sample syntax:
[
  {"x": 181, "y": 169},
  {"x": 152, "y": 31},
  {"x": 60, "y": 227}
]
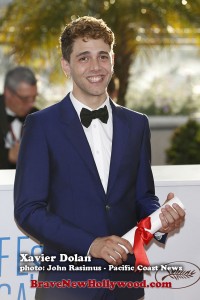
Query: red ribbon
[{"x": 142, "y": 237}]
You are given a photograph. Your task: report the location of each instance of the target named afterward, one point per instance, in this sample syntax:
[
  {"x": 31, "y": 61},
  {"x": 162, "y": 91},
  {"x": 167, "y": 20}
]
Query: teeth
[{"x": 95, "y": 78}]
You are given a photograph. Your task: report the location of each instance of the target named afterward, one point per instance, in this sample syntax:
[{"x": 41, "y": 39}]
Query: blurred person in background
[{"x": 17, "y": 101}]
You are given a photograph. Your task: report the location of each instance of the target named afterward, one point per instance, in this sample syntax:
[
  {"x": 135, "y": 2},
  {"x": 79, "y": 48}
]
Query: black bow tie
[
  {"x": 12, "y": 118},
  {"x": 87, "y": 115}
]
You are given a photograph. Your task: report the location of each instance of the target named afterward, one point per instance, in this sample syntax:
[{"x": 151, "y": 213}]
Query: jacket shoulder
[{"x": 131, "y": 114}]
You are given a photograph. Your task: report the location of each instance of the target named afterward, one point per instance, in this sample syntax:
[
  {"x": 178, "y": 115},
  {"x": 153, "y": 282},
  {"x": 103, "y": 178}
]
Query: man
[
  {"x": 89, "y": 178},
  {"x": 20, "y": 91}
]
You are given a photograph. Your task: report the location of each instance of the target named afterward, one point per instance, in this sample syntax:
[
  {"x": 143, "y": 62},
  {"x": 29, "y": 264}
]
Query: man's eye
[
  {"x": 103, "y": 57},
  {"x": 84, "y": 59}
]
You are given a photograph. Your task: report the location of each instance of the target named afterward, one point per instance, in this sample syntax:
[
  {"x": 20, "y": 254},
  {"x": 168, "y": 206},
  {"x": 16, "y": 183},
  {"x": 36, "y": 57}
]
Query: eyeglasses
[{"x": 25, "y": 99}]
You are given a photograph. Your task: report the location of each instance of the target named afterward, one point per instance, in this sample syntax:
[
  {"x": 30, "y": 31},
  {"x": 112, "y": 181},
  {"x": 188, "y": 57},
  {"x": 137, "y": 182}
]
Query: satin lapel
[
  {"x": 74, "y": 132},
  {"x": 120, "y": 139}
]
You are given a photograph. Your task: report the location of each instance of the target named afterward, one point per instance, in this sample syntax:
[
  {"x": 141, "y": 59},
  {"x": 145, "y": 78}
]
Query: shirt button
[{"x": 108, "y": 207}]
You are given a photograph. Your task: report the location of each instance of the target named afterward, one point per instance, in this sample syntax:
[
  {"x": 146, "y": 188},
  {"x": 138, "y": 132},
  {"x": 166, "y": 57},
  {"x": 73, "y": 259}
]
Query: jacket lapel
[
  {"x": 75, "y": 133},
  {"x": 120, "y": 139}
]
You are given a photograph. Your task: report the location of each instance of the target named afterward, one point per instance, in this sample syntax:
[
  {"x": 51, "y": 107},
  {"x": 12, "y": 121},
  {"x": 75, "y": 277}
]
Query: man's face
[
  {"x": 22, "y": 100},
  {"x": 91, "y": 68}
]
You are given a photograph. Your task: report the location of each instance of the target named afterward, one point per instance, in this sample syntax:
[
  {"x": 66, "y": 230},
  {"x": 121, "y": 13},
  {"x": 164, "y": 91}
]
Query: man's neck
[{"x": 92, "y": 102}]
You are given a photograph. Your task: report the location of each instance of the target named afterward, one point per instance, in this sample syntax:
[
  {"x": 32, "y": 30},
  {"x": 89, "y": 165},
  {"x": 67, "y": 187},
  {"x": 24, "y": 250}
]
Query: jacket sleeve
[
  {"x": 147, "y": 201},
  {"x": 31, "y": 190}
]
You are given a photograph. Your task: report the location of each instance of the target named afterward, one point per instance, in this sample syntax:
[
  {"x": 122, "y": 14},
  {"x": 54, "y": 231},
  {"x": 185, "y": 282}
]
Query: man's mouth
[{"x": 95, "y": 79}]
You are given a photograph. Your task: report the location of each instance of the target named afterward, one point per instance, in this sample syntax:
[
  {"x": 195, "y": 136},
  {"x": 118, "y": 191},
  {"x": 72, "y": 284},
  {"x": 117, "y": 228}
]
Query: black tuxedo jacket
[{"x": 4, "y": 128}]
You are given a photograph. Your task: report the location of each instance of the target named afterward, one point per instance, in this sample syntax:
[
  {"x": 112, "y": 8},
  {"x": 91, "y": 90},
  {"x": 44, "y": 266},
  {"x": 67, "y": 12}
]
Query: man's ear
[
  {"x": 113, "y": 62},
  {"x": 65, "y": 67},
  {"x": 113, "y": 58}
]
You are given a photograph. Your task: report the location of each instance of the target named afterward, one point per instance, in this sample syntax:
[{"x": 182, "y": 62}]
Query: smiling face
[{"x": 91, "y": 68}]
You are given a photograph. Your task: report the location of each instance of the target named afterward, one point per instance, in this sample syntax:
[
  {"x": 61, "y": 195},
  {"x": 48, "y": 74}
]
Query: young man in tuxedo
[
  {"x": 84, "y": 177},
  {"x": 17, "y": 101}
]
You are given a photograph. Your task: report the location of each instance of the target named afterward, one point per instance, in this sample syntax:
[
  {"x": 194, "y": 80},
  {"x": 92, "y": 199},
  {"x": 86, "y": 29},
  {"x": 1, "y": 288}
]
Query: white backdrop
[
  {"x": 182, "y": 248},
  {"x": 13, "y": 285}
]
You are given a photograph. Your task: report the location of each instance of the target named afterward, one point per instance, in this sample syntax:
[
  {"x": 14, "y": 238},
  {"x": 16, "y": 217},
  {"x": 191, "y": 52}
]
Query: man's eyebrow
[
  {"x": 82, "y": 53},
  {"x": 104, "y": 52},
  {"x": 88, "y": 52}
]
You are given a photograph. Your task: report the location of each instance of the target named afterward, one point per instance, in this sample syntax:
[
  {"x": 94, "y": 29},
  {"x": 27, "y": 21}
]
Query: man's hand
[
  {"x": 171, "y": 218},
  {"x": 108, "y": 248},
  {"x": 13, "y": 153}
]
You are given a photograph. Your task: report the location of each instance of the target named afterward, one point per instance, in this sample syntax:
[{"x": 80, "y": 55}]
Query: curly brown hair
[{"x": 85, "y": 27}]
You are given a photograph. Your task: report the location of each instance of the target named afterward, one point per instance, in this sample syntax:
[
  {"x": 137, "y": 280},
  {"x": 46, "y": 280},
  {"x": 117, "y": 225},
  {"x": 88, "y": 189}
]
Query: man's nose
[{"x": 95, "y": 65}]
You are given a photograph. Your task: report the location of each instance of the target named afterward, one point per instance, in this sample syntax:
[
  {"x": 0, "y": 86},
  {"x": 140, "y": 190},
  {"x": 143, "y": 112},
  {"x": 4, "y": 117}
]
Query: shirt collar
[
  {"x": 10, "y": 112},
  {"x": 79, "y": 105}
]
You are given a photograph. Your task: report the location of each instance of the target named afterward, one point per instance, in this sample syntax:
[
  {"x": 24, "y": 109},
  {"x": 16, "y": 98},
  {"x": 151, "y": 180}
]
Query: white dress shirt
[
  {"x": 99, "y": 136},
  {"x": 16, "y": 127}
]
